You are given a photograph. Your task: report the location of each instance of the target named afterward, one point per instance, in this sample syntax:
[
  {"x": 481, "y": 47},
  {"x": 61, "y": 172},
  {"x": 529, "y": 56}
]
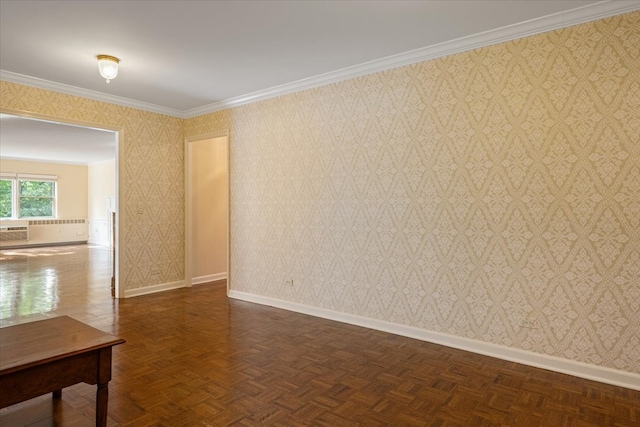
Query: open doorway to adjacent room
[
  {"x": 207, "y": 213},
  {"x": 58, "y": 203}
]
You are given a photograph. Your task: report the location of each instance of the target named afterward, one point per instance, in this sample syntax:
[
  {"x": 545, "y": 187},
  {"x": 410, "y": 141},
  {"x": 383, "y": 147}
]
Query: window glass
[
  {"x": 6, "y": 192},
  {"x": 36, "y": 198}
]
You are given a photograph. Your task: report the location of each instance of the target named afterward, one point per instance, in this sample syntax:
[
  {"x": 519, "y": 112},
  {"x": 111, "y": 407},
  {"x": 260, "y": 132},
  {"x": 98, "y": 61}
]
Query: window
[
  {"x": 6, "y": 198},
  {"x": 27, "y": 196},
  {"x": 36, "y": 198}
]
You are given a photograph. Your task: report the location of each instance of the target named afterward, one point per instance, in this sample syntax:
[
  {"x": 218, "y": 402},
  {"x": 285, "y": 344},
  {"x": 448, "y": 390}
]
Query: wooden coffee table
[{"x": 47, "y": 355}]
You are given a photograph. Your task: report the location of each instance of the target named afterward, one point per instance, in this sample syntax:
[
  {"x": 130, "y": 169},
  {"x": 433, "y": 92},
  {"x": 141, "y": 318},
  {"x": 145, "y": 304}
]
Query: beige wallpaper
[
  {"x": 464, "y": 195},
  {"x": 153, "y": 185}
]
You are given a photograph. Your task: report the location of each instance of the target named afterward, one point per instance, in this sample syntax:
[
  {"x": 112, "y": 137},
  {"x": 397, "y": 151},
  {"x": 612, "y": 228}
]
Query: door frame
[
  {"x": 119, "y": 131},
  {"x": 188, "y": 159}
]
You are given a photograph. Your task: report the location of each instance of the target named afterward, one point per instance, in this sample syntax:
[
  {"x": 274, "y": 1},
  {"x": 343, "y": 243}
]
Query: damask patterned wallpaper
[
  {"x": 471, "y": 195},
  {"x": 492, "y": 194},
  {"x": 152, "y": 218}
]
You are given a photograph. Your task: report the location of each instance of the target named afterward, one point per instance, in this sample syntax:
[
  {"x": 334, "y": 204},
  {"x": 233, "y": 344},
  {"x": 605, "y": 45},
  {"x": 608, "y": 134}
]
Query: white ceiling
[
  {"x": 37, "y": 140},
  {"x": 187, "y": 57}
]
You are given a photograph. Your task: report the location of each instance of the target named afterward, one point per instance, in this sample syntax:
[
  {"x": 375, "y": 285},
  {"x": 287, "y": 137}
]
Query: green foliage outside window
[
  {"x": 5, "y": 198},
  {"x": 36, "y": 198}
]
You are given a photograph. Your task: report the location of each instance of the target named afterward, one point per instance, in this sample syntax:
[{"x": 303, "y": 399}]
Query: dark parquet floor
[{"x": 193, "y": 357}]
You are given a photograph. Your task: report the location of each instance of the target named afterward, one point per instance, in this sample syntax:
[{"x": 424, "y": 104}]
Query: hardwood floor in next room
[
  {"x": 37, "y": 281},
  {"x": 193, "y": 357}
]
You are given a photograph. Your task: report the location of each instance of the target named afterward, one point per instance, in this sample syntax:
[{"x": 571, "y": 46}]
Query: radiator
[
  {"x": 38, "y": 232},
  {"x": 43, "y": 231},
  {"x": 15, "y": 232}
]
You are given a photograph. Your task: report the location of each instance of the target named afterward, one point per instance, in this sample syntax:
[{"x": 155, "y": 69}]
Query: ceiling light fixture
[{"x": 108, "y": 66}]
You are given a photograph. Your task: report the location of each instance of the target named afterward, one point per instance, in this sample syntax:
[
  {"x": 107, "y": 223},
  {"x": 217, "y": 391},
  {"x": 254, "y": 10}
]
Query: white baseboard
[
  {"x": 208, "y": 278},
  {"x": 100, "y": 243},
  {"x": 552, "y": 363},
  {"x": 153, "y": 289}
]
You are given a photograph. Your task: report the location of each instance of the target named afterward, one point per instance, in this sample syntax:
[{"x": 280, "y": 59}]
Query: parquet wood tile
[{"x": 193, "y": 357}]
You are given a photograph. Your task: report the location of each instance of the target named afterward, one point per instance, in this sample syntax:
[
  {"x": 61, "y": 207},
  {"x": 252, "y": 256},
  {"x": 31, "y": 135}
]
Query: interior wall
[
  {"x": 460, "y": 195},
  {"x": 210, "y": 196},
  {"x": 102, "y": 201},
  {"x": 491, "y": 195},
  {"x": 72, "y": 184},
  {"x": 151, "y": 180}
]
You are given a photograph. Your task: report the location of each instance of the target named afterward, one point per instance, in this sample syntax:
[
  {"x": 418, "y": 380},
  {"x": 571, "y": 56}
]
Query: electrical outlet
[
  {"x": 289, "y": 283},
  {"x": 529, "y": 323}
]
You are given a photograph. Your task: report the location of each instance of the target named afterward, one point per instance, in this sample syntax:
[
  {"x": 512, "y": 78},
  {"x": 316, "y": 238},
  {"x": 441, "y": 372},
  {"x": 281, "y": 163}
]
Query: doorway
[
  {"x": 62, "y": 154},
  {"x": 207, "y": 208}
]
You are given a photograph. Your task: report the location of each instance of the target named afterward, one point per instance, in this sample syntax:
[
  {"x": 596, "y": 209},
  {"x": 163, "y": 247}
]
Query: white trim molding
[
  {"x": 552, "y": 363},
  {"x": 208, "y": 278},
  {"x": 544, "y": 24},
  {"x": 580, "y": 15},
  {"x": 153, "y": 289},
  {"x": 11, "y": 77}
]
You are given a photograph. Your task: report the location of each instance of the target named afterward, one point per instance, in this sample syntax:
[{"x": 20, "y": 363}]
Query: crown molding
[
  {"x": 38, "y": 160},
  {"x": 11, "y": 77},
  {"x": 544, "y": 24}
]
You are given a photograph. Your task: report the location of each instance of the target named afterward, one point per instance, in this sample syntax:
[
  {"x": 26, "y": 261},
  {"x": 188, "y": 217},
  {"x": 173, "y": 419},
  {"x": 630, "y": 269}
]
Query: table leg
[
  {"x": 102, "y": 399},
  {"x": 57, "y": 394}
]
